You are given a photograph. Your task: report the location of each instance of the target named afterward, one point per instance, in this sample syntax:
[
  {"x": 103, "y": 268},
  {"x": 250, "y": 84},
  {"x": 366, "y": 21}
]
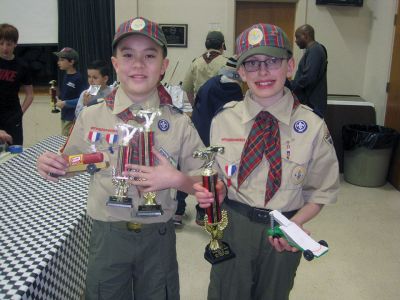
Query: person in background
[
  {"x": 98, "y": 74},
  {"x": 14, "y": 74},
  {"x": 284, "y": 160},
  {"x": 212, "y": 96},
  {"x": 310, "y": 83},
  {"x": 132, "y": 256},
  {"x": 205, "y": 66},
  {"x": 71, "y": 87}
]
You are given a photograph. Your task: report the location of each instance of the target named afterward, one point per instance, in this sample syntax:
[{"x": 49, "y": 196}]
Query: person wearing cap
[
  {"x": 127, "y": 252},
  {"x": 205, "y": 66},
  {"x": 213, "y": 95},
  {"x": 278, "y": 155},
  {"x": 310, "y": 83},
  {"x": 14, "y": 74},
  {"x": 71, "y": 88}
]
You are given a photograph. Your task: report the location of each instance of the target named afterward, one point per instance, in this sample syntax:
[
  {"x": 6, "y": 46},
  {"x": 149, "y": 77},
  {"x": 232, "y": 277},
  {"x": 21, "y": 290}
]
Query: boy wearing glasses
[{"x": 278, "y": 155}]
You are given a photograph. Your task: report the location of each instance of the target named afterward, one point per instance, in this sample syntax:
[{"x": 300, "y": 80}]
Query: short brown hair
[{"x": 8, "y": 32}]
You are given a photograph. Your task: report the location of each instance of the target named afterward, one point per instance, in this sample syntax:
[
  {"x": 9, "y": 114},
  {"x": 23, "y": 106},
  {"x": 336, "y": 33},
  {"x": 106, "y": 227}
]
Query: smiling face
[
  {"x": 267, "y": 85},
  {"x": 139, "y": 64}
]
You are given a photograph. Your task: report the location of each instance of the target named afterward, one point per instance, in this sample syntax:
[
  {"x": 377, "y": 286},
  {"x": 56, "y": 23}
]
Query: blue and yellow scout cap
[
  {"x": 141, "y": 26},
  {"x": 266, "y": 39}
]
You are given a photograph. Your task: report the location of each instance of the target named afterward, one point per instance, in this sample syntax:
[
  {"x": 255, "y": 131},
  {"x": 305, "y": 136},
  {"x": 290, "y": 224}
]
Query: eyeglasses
[{"x": 272, "y": 63}]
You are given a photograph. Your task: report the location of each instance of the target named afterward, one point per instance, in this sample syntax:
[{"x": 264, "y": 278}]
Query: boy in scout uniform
[
  {"x": 280, "y": 156},
  {"x": 129, "y": 252}
]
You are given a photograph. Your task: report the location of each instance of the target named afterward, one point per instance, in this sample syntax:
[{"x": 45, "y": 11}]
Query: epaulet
[
  {"x": 227, "y": 105},
  {"x": 173, "y": 108},
  {"x": 318, "y": 113}
]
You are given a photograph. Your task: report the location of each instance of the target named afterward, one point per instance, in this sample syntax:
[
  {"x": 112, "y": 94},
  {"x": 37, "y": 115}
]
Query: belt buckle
[
  {"x": 136, "y": 227},
  {"x": 260, "y": 215}
]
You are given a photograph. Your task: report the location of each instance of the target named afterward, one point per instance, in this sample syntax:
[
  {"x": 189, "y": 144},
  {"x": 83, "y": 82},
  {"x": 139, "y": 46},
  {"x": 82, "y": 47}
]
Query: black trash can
[{"x": 367, "y": 153}]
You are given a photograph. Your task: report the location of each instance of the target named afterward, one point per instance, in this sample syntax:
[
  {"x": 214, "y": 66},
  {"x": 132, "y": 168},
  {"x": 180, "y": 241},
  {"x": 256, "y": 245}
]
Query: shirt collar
[
  {"x": 278, "y": 109},
  {"x": 122, "y": 102}
]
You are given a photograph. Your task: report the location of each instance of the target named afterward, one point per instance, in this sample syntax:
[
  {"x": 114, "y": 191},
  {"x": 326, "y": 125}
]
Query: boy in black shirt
[{"x": 13, "y": 75}]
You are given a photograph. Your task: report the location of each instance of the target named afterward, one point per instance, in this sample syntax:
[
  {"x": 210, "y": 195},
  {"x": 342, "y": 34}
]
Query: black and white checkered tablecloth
[{"x": 44, "y": 230}]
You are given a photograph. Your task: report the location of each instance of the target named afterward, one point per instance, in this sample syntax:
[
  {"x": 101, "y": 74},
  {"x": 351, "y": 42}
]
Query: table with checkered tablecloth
[{"x": 44, "y": 229}]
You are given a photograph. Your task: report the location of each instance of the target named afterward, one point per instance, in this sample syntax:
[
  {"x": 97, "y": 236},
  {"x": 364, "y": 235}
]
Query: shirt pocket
[{"x": 295, "y": 168}]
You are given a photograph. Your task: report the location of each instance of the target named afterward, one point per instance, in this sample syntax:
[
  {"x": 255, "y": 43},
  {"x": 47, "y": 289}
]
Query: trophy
[
  {"x": 53, "y": 94},
  {"x": 150, "y": 208},
  {"x": 124, "y": 157},
  {"x": 215, "y": 220},
  {"x": 93, "y": 89}
]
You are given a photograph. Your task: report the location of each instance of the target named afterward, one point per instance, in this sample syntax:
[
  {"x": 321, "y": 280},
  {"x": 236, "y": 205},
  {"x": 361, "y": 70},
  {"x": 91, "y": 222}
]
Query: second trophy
[
  {"x": 215, "y": 220},
  {"x": 121, "y": 183},
  {"x": 150, "y": 208}
]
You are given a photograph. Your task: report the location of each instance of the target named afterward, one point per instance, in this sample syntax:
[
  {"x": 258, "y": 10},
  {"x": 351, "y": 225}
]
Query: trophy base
[
  {"x": 54, "y": 111},
  {"x": 115, "y": 201},
  {"x": 219, "y": 255},
  {"x": 149, "y": 210}
]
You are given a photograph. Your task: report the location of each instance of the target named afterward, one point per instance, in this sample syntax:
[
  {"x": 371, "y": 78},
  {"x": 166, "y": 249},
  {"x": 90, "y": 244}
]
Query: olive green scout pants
[
  {"x": 142, "y": 260},
  {"x": 258, "y": 272}
]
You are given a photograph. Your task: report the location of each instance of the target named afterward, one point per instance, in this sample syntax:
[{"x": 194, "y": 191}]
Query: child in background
[
  {"x": 72, "y": 86},
  {"x": 13, "y": 75},
  {"x": 98, "y": 74}
]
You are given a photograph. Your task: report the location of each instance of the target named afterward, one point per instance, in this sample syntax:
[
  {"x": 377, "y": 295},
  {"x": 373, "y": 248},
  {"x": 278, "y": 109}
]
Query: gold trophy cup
[
  {"x": 150, "y": 208},
  {"x": 215, "y": 220},
  {"x": 53, "y": 94},
  {"x": 121, "y": 182}
]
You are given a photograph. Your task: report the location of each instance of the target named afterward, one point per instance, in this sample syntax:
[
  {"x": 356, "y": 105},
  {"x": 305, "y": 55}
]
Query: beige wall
[{"x": 359, "y": 40}]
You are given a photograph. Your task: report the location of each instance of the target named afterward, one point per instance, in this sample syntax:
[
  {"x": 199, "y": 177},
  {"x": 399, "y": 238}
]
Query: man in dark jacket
[{"x": 310, "y": 83}]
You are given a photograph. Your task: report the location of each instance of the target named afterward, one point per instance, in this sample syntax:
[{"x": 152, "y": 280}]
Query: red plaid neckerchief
[
  {"x": 264, "y": 138},
  {"x": 210, "y": 55},
  {"x": 126, "y": 114}
]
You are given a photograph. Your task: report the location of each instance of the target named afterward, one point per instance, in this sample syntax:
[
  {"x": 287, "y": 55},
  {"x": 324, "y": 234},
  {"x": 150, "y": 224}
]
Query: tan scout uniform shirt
[
  {"x": 309, "y": 165},
  {"x": 199, "y": 72},
  {"x": 179, "y": 140}
]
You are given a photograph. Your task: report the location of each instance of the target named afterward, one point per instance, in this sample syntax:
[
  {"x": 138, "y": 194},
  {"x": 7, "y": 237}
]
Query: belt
[
  {"x": 137, "y": 227},
  {"x": 255, "y": 214}
]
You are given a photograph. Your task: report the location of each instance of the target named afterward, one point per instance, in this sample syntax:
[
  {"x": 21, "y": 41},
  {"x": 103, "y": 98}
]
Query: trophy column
[
  {"x": 215, "y": 220},
  {"x": 150, "y": 208},
  {"x": 124, "y": 157},
  {"x": 53, "y": 94}
]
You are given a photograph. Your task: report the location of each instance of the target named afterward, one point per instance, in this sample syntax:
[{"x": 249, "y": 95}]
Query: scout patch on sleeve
[{"x": 327, "y": 136}]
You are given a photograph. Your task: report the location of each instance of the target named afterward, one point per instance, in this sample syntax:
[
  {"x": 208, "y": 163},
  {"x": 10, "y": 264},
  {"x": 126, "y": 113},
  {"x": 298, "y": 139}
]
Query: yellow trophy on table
[{"x": 53, "y": 94}]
